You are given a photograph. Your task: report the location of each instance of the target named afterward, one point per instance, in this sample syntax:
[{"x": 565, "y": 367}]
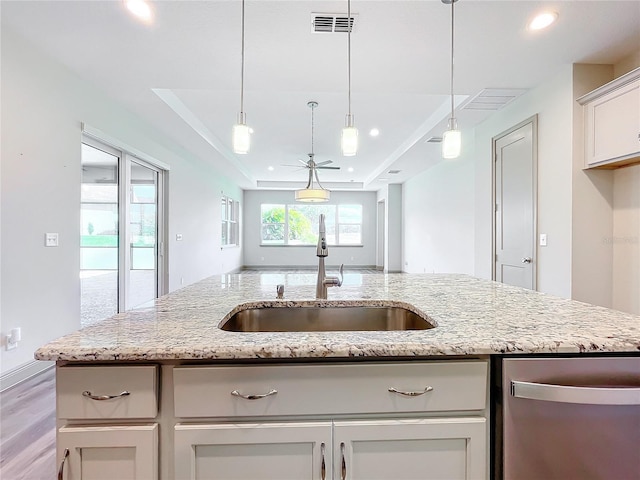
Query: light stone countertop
[{"x": 473, "y": 317}]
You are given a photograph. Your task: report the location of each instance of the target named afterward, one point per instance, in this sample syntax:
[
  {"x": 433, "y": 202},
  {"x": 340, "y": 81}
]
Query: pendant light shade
[
  {"x": 312, "y": 195},
  {"x": 314, "y": 192},
  {"x": 241, "y": 137},
  {"x": 451, "y": 141},
  {"x": 452, "y": 138},
  {"x": 349, "y": 138}
]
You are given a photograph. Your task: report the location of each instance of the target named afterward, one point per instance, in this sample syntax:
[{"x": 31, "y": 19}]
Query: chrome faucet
[{"x": 322, "y": 251}]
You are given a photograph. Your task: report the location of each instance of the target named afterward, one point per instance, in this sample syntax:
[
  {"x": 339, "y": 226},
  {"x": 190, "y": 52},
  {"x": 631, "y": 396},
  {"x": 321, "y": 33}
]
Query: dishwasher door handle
[{"x": 570, "y": 394}]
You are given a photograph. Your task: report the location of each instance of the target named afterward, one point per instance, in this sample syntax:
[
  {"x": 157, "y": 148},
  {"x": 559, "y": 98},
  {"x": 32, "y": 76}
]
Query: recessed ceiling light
[
  {"x": 543, "y": 20},
  {"x": 350, "y": 169},
  {"x": 383, "y": 179},
  {"x": 270, "y": 168},
  {"x": 374, "y": 132},
  {"x": 140, "y": 8}
]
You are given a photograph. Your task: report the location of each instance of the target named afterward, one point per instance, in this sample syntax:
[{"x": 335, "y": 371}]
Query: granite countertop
[{"x": 473, "y": 317}]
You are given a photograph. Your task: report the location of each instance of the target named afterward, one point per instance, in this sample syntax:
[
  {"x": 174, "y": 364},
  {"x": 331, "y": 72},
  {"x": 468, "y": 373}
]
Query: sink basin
[{"x": 325, "y": 319}]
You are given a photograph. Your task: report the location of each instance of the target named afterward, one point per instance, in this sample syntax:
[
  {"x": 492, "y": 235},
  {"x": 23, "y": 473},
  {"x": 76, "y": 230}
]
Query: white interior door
[{"x": 515, "y": 205}]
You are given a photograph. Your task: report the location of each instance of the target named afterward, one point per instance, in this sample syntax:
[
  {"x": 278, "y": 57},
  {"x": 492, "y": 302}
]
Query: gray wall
[
  {"x": 279, "y": 256},
  {"x": 43, "y": 106}
]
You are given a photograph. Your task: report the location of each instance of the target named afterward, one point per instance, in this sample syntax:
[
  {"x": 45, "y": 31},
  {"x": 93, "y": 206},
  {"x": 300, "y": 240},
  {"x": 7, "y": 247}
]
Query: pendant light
[
  {"x": 349, "y": 140},
  {"x": 314, "y": 192},
  {"x": 452, "y": 138},
  {"x": 241, "y": 131}
]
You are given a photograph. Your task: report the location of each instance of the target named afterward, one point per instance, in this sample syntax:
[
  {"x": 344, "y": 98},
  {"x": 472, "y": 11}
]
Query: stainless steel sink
[{"x": 325, "y": 319}]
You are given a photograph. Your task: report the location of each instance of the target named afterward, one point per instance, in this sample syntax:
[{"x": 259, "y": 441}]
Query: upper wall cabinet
[{"x": 612, "y": 123}]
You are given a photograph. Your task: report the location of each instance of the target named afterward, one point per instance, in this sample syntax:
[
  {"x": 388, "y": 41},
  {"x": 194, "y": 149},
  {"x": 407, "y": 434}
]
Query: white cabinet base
[
  {"x": 425, "y": 449},
  {"x": 109, "y": 452},
  {"x": 269, "y": 451}
]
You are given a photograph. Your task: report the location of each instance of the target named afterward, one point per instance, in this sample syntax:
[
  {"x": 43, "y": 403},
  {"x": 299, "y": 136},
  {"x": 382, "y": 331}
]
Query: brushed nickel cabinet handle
[
  {"x": 64, "y": 460},
  {"x": 343, "y": 470},
  {"x": 88, "y": 394},
  {"x": 323, "y": 466},
  {"x": 236, "y": 393},
  {"x": 428, "y": 388}
]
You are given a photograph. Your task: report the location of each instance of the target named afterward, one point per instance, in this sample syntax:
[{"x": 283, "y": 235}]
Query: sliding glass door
[{"x": 121, "y": 228}]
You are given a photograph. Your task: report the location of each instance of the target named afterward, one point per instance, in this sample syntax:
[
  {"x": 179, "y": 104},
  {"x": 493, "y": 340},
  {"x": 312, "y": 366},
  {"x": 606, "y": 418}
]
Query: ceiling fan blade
[
  {"x": 328, "y": 168},
  {"x": 326, "y": 162},
  {"x": 304, "y": 162}
]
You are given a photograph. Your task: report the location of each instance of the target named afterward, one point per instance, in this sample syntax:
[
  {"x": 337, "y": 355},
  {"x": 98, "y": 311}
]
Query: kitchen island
[
  {"x": 472, "y": 317},
  {"x": 163, "y": 392}
]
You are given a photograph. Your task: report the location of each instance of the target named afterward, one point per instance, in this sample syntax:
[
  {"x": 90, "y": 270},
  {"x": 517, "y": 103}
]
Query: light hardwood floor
[{"x": 28, "y": 429}]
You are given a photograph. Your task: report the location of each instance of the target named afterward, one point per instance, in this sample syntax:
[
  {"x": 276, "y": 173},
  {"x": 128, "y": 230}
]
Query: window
[
  {"x": 298, "y": 224},
  {"x": 230, "y": 221}
]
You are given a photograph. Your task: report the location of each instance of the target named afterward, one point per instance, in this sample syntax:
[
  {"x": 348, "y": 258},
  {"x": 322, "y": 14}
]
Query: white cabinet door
[
  {"x": 257, "y": 451},
  {"x": 109, "y": 452},
  {"x": 612, "y": 124},
  {"x": 413, "y": 449}
]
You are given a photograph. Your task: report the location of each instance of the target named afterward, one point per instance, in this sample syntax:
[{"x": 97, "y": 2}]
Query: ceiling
[{"x": 181, "y": 72}]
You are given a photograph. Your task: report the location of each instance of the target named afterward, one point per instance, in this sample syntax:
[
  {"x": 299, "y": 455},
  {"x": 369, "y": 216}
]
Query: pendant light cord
[
  {"x": 349, "y": 23},
  {"x": 242, "y": 67},
  {"x": 452, "y": 10},
  {"x": 312, "y": 109}
]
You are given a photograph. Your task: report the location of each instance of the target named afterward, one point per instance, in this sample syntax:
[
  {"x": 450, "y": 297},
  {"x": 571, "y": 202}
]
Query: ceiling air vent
[
  {"x": 493, "y": 98},
  {"x": 433, "y": 140},
  {"x": 332, "y": 22},
  {"x": 393, "y": 172}
]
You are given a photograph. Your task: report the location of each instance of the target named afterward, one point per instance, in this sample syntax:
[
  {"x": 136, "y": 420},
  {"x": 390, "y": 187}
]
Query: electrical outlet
[
  {"x": 13, "y": 338},
  {"x": 50, "y": 239}
]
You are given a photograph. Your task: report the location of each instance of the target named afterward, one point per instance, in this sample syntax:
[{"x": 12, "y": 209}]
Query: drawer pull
[
  {"x": 428, "y": 388},
  {"x": 104, "y": 397},
  {"x": 64, "y": 460},
  {"x": 236, "y": 393},
  {"x": 343, "y": 466}
]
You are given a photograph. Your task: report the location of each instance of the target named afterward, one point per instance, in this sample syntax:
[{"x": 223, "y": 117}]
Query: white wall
[
  {"x": 438, "y": 207},
  {"x": 43, "y": 105},
  {"x": 592, "y": 214},
  {"x": 625, "y": 240},
  {"x": 256, "y": 255},
  {"x": 552, "y": 101},
  {"x": 392, "y": 255}
]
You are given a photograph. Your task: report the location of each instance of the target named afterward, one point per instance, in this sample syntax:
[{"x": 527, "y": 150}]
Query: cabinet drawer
[
  {"x": 329, "y": 389},
  {"x": 141, "y": 383}
]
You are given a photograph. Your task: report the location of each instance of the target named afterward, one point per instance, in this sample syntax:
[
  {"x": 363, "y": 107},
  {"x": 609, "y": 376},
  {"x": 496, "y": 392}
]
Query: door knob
[{"x": 526, "y": 260}]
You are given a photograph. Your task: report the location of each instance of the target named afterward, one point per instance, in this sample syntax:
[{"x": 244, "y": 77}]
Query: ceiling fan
[
  {"x": 311, "y": 164},
  {"x": 314, "y": 191}
]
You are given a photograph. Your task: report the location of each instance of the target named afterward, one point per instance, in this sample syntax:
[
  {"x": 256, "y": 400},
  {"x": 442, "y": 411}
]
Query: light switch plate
[
  {"x": 543, "y": 239},
  {"x": 50, "y": 239}
]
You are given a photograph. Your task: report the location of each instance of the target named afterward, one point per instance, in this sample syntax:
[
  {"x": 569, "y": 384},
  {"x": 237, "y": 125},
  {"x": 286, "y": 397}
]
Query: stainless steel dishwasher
[{"x": 569, "y": 418}]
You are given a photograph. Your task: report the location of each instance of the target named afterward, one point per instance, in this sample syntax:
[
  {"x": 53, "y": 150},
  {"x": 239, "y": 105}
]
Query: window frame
[
  {"x": 337, "y": 225},
  {"x": 230, "y": 223}
]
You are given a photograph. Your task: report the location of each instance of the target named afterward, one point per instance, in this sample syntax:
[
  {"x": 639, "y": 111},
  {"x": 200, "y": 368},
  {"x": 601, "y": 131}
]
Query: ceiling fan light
[
  {"x": 451, "y": 144},
  {"x": 349, "y": 141},
  {"x": 312, "y": 195},
  {"x": 241, "y": 138}
]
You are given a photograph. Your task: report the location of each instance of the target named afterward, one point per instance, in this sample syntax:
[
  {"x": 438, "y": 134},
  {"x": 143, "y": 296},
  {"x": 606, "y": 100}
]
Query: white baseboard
[{"x": 24, "y": 372}]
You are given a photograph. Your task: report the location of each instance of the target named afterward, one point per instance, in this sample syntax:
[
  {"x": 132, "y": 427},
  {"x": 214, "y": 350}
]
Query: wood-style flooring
[{"x": 28, "y": 429}]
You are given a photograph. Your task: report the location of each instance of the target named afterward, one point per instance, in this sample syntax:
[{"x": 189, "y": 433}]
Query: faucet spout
[{"x": 322, "y": 251}]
